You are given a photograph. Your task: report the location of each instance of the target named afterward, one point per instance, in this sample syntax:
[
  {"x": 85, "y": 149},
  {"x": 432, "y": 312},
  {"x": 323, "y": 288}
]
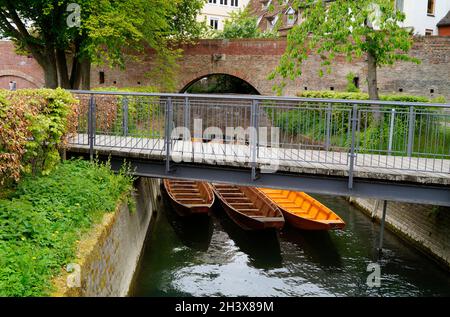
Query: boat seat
[{"x": 268, "y": 219}]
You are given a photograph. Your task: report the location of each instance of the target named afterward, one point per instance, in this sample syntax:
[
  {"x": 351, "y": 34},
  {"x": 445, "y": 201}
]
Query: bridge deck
[{"x": 367, "y": 166}]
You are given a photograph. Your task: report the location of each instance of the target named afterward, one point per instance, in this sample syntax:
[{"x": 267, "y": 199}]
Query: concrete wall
[
  {"x": 109, "y": 254},
  {"x": 421, "y": 225}
]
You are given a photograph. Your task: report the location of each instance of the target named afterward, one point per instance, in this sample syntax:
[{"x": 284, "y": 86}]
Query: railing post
[
  {"x": 328, "y": 126},
  {"x": 125, "y": 116},
  {"x": 383, "y": 220},
  {"x": 168, "y": 132},
  {"x": 91, "y": 126},
  {"x": 411, "y": 129},
  {"x": 187, "y": 113},
  {"x": 254, "y": 124},
  {"x": 352, "y": 147},
  {"x": 391, "y": 131}
]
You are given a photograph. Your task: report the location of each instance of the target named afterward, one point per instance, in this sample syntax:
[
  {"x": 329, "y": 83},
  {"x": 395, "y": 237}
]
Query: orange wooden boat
[
  {"x": 189, "y": 197},
  {"x": 302, "y": 211},
  {"x": 248, "y": 207}
]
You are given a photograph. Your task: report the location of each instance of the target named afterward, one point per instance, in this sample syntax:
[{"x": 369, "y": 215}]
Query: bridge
[{"x": 384, "y": 150}]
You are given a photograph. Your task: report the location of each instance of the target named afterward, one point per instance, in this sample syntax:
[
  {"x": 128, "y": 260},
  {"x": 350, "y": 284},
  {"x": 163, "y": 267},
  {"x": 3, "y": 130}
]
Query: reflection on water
[{"x": 213, "y": 257}]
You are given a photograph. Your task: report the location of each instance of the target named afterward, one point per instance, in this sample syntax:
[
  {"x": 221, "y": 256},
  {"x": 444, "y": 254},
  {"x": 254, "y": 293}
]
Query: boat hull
[
  {"x": 195, "y": 198},
  {"x": 302, "y": 211},
  {"x": 246, "y": 221}
]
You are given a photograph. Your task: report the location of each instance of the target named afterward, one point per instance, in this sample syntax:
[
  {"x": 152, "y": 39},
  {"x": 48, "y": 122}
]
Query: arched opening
[{"x": 220, "y": 84}]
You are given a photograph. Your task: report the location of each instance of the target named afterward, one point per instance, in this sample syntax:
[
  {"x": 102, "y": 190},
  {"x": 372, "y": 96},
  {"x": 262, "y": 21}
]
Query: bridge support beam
[
  {"x": 315, "y": 184},
  {"x": 383, "y": 220}
]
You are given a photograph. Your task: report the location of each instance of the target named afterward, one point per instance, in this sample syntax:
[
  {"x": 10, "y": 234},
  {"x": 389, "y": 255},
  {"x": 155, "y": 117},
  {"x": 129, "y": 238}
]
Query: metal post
[
  {"x": 383, "y": 220},
  {"x": 328, "y": 126},
  {"x": 12, "y": 85},
  {"x": 352, "y": 147},
  {"x": 125, "y": 116},
  {"x": 187, "y": 113},
  {"x": 168, "y": 132},
  {"x": 91, "y": 126},
  {"x": 391, "y": 131},
  {"x": 411, "y": 125},
  {"x": 254, "y": 137}
]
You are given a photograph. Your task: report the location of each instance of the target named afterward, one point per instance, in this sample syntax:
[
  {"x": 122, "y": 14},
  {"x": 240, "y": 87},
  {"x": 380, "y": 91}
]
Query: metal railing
[{"x": 348, "y": 134}]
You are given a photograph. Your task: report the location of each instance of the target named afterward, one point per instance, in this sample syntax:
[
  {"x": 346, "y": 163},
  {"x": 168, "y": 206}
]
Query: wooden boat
[
  {"x": 248, "y": 207},
  {"x": 302, "y": 211},
  {"x": 189, "y": 197}
]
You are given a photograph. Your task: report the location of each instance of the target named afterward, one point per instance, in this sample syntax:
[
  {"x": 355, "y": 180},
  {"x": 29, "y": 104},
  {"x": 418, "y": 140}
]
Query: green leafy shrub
[
  {"x": 42, "y": 220},
  {"x": 34, "y": 124}
]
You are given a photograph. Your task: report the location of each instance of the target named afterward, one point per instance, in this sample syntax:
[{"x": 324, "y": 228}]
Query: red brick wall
[
  {"x": 24, "y": 70},
  {"x": 253, "y": 60}
]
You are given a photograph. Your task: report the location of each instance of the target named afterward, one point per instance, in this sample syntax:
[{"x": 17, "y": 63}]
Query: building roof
[{"x": 445, "y": 20}]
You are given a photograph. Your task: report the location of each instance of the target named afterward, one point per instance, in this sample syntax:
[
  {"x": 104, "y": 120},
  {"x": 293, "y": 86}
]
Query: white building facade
[
  {"x": 423, "y": 15},
  {"x": 215, "y": 12}
]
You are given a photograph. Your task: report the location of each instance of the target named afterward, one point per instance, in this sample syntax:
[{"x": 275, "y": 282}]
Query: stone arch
[
  {"x": 185, "y": 84},
  {"x": 21, "y": 75}
]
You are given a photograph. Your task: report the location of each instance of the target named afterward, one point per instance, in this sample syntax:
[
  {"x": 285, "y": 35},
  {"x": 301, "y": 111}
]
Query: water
[{"x": 214, "y": 257}]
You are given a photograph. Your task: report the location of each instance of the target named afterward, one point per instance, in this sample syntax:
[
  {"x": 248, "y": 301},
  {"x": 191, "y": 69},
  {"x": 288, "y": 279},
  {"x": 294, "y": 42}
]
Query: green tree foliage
[
  {"x": 242, "y": 24},
  {"x": 354, "y": 29},
  {"x": 109, "y": 32}
]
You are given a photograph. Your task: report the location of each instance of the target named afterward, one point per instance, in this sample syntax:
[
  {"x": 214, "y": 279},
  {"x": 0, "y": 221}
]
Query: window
[
  {"x": 266, "y": 4},
  {"x": 399, "y": 5},
  {"x": 224, "y": 2},
  {"x": 430, "y": 8},
  {"x": 214, "y": 23},
  {"x": 290, "y": 19},
  {"x": 234, "y": 3},
  {"x": 212, "y": 1},
  {"x": 101, "y": 77},
  {"x": 272, "y": 22},
  {"x": 428, "y": 32}
]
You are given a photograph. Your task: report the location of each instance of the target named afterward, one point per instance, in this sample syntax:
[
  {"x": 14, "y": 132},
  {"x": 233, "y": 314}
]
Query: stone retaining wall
[
  {"x": 108, "y": 256},
  {"x": 426, "y": 227}
]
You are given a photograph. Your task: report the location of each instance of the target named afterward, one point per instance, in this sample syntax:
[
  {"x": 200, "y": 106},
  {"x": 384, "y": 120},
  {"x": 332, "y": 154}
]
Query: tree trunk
[
  {"x": 372, "y": 85},
  {"x": 62, "y": 69},
  {"x": 75, "y": 74},
  {"x": 372, "y": 81},
  {"x": 85, "y": 74},
  {"x": 50, "y": 73}
]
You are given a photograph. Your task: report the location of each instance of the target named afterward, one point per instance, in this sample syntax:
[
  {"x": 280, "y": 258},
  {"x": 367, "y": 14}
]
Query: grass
[{"x": 42, "y": 220}]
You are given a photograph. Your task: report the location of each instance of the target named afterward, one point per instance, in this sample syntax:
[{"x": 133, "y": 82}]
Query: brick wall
[
  {"x": 419, "y": 224},
  {"x": 24, "y": 70},
  {"x": 253, "y": 60}
]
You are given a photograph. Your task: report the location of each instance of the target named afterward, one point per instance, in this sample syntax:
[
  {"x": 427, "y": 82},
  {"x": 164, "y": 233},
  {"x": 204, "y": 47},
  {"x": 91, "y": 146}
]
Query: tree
[
  {"x": 242, "y": 24},
  {"x": 352, "y": 28},
  {"x": 109, "y": 31}
]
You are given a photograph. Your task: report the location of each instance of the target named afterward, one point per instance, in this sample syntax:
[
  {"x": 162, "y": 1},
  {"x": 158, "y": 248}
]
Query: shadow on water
[
  {"x": 194, "y": 232},
  {"x": 262, "y": 247},
  {"x": 317, "y": 245}
]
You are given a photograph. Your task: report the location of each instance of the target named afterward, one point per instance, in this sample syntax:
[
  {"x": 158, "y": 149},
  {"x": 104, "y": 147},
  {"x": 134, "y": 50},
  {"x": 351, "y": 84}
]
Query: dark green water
[{"x": 214, "y": 257}]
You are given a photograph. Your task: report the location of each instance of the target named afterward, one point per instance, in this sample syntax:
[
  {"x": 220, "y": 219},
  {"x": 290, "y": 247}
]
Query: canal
[{"x": 214, "y": 257}]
